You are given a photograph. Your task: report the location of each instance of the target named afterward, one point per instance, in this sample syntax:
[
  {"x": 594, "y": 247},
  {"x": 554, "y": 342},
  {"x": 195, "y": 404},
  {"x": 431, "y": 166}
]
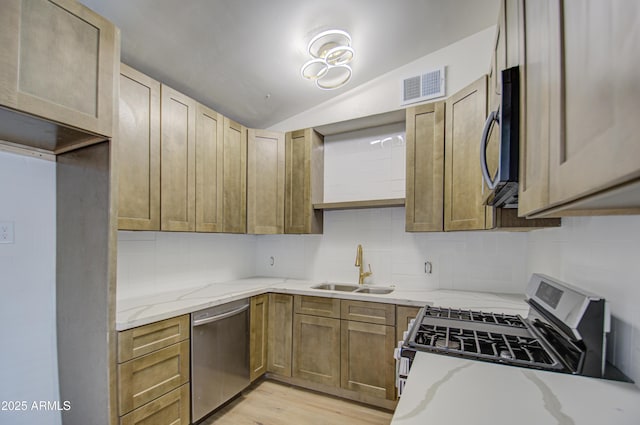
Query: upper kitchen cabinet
[
  {"x": 58, "y": 61},
  {"x": 304, "y": 181},
  {"x": 465, "y": 114},
  {"x": 425, "y": 168},
  {"x": 178, "y": 139},
  {"x": 599, "y": 148},
  {"x": 265, "y": 182},
  {"x": 579, "y": 132},
  {"x": 234, "y": 162},
  {"x": 138, "y": 151},
  {"x": 209, "y": 169}
]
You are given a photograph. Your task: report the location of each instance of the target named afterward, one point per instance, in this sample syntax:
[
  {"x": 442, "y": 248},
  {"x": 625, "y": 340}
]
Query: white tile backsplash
[
  {"x": 602, "y": 255},
  {"x": 365, "y": 164},
  {"x": 479, "y": 261},
  {"x": 151, "y": 262}
]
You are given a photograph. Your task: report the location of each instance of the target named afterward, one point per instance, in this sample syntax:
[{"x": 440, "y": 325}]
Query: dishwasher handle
[{"x": 220, "y": 316}]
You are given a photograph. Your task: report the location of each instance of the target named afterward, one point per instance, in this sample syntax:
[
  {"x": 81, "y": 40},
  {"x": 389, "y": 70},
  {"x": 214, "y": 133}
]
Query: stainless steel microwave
[{"x": 503, "y": 184}]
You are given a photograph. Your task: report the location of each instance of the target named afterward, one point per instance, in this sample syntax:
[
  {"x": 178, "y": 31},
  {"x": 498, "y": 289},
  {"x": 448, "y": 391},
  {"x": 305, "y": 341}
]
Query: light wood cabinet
[
  {"x": 316, "y": 349},
  {"x": 540, "y": 102},
  {"x": 579, "y": 126},
  {"x": 153, "y": 372},
  {"x": 143, "y": 340},
  {"x": 59, "y": 61},
  {"x": 304, "y": 181},
  {"x": 258, "y": 336},
  {"x": 172, "y": 408},
  {"x": 265, "y": 182},
  {"x": 178, "y": 138},
  {"x": 368, "y": 312},
  {"x": 280, "y": 331},
  {"x": 404, "y": 315},
  {"x": 317, "y": 306},
  {"x": 425, "y": 133},
  {"x": 209, "y": 169},
  {"x": 367, "y": 363},
  {"x": 234, "y": 163},
  {"x": 465, "y": 113},
  {"x": 145, "y": 378},
  {"x": 598, "y": 147},
  {"x": 367, "y": 344},
  {"x": 138, "y": 151}
]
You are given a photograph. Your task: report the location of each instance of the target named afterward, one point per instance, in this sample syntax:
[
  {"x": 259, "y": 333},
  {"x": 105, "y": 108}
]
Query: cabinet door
[
  {"x": 280, "y": 331},
  {"x": 234, "y": 198},
  {"x": 463, "y": 192},
  {"x": 369, "y": 312},
  {"x": 173, "y": 408},
  {"x": 368, "y": 365},
  {"x": 258, "y": 336},
  {"x": 145, "y": 339},
  {"x": 209, "y": 137},
  {"x": 59, "y": 61},
  {"x": 425, "y": 168},
  {"x": 265, "y": 182},
  {"x": 540, "y": 102},
  {"x": 316, "y": 349},
  {"x": 148, "y": 377},
  {"x": 304, "y": 181},
  {"x": 599, "y": 147},
  {"x": 317, "y": 306},
  {"x": 138, "y": 151},
  {"x": 404, "y": 315},
  {"x": 177, "y": 165}
]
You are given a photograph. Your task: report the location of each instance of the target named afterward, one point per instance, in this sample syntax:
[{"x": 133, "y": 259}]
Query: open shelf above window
[{"x": 353, "y": 205}]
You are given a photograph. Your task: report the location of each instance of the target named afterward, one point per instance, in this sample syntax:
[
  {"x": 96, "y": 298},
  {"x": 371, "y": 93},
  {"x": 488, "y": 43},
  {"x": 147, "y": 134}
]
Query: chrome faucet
[{"x": 363, "y": 275}]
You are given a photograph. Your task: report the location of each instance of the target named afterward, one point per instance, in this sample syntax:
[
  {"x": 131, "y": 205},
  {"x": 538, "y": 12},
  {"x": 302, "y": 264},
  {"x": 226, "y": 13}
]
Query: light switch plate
[{"x": 6, "y": 231}]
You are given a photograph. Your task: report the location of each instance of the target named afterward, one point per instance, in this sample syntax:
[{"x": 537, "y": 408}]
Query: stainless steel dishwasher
[{"x": 219, "y": 356}]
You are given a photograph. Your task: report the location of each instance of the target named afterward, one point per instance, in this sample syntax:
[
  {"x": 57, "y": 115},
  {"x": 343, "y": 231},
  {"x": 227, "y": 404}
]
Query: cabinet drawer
[
  {"x": 148, "y": 377},
  {"x": 146, "y": 339},
  {"x": 317, "y": 306},
  {"x": 368, "y": 312},
  {"x": 171, "y": 409}
]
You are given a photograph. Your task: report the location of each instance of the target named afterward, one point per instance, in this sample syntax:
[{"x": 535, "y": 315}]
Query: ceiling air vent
[{"x": 423, "y": 87}]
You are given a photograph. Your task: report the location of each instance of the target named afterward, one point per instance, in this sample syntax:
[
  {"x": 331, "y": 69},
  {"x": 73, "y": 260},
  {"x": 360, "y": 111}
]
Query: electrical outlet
[{"x": 6, "y": 231}]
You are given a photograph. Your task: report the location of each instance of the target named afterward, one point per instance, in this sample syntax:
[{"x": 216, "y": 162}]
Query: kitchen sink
[
  {"x": 336, "y": 287},
  {"x": 374, "y": 290},
  {"x": 345, "y": 287}
]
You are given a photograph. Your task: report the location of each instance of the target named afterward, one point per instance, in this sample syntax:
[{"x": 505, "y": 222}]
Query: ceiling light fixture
[{"x": 331, "y": 52}]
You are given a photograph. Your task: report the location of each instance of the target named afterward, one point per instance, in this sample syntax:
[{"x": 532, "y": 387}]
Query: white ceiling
[{"x": 243, "y": 57}]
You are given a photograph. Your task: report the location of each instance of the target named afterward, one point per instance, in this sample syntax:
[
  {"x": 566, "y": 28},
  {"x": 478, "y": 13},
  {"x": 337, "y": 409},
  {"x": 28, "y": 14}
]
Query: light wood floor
[{"x": 273, "y": 403}]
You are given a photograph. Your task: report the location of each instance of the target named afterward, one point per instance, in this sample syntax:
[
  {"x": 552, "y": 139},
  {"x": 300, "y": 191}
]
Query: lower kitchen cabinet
[
  {"x": 316, "y": 349},
  {"x": 258, "y": 336},
  {"x": 154, "y": 373},
  {"x": 280, "y": 331},
  {"x": 367, "y": 363},
  {"x": 404, "y": 315},
  {"x": 172, "y": 408}
]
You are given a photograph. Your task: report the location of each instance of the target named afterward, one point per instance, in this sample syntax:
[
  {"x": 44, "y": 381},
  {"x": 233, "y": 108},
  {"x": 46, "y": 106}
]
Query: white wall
[
  {"x": 29, "y": 369},
  {"x": 479, "y": 261},
  {"x": 466, "y": 61},
  {"x": 600, "y": 254},
  {"x": 162, "y": 261}
]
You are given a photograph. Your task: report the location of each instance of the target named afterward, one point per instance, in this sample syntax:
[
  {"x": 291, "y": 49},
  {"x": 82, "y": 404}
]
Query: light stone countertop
[
  {"x": 133, "y": 312},
  {"x": 450, "y": 390}
]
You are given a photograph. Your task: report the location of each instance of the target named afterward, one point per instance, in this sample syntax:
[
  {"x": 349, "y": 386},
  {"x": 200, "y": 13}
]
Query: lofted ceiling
[{"x": 243, "y": 57}]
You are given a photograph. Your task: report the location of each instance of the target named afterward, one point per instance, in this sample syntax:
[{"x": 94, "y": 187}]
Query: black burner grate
[{"x": 510, "y": 320}]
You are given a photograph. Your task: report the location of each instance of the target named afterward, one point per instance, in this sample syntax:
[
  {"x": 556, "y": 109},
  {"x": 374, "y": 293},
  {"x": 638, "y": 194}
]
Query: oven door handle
[
  {"x": 220, "y": 316},
  {"x": 494, "y": 116}
]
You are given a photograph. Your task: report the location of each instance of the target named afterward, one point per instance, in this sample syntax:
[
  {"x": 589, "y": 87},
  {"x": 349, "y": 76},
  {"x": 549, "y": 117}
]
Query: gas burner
[{"x": 510, "y": 320}]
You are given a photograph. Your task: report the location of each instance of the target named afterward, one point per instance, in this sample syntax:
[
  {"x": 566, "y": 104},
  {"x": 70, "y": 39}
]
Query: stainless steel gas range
[{"x": 565, "y": 331}]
